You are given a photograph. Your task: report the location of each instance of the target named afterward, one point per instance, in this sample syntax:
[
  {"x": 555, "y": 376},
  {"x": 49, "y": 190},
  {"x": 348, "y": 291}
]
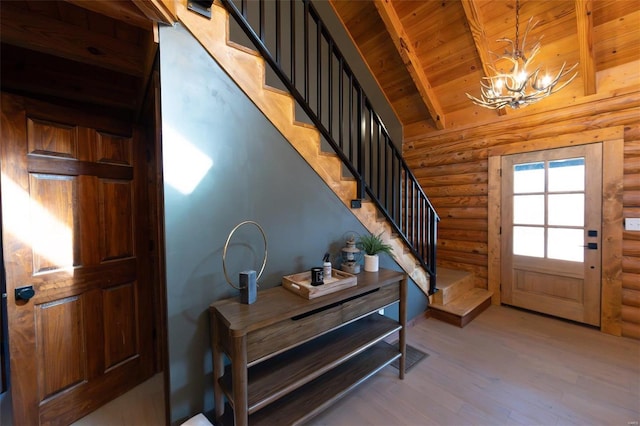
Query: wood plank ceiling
[
  {"x": 95, "y": 53},
  {"x": 429, "y": 55},
  {"x": 433, "y": 52}
]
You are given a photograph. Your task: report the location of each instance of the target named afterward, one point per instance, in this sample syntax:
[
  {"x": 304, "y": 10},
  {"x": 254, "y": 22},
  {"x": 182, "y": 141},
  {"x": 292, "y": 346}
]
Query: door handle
[
  {"x": 25, "y": 293},
  {"x": 591, "y": 246}
]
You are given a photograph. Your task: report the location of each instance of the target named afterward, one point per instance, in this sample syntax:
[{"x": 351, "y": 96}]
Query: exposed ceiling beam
[
  {"x": 584, "y": 18},
  {"x": 474, "y": 19},
  {"x": 411, "y": 61},
  {"x": 47, "y": 35},
  {"x": 124, "y": 11}
]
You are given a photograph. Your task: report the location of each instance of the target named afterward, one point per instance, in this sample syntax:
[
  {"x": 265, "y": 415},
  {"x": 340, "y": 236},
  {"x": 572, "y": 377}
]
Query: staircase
[
  {"x": 247, "y": 68},
  {"x": 408, "y": 225},
  {"x": 408, "y": 220},
  {"x": 458, "y": 301}
]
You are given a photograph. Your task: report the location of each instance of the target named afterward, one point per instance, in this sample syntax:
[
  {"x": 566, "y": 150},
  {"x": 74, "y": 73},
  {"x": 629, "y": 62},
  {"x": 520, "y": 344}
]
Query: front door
[
  {"x": 551, "y": 216},
  {"x": 72, "y": 216}
]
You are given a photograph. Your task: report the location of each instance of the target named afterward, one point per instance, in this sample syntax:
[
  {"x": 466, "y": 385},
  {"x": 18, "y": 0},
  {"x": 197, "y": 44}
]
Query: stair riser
[{"x": 457, "y": 320}]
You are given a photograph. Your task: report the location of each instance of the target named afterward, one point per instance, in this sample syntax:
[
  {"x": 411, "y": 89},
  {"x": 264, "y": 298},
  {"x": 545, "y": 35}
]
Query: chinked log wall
[{"x": 452, "y": 167}]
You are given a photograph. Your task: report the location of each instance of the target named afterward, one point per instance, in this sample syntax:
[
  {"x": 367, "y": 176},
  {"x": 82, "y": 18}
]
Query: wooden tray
[{"x": 301, "y": 283}]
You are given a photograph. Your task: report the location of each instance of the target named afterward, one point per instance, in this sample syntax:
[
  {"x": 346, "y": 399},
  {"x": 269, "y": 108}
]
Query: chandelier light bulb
[{"x": 546, "y": 81}]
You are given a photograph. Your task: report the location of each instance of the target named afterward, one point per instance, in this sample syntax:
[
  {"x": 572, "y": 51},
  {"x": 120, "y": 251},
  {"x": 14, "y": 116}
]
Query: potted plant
[{"x": 372, "y": 245}]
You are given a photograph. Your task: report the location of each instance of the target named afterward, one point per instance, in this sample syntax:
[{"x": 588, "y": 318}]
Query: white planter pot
[{"x": 371, "y": 263}]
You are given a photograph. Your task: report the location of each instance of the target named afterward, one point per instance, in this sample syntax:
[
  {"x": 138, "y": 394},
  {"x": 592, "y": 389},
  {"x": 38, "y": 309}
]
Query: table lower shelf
[
  {"x": 285, "y": 373},
  {"x": 309, "y": 400}
]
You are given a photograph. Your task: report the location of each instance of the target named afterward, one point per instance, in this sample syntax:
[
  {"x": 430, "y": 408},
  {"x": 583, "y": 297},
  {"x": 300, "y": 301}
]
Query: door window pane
[
  {"x": 528, "y": 209},
  {"x": 528, "y": 241},
  {"x": 566, "y": 210},
  {"x": 565, "y": 244},
  {"x": 566, "y": 175},
  {"x": 528, "y": 178}
]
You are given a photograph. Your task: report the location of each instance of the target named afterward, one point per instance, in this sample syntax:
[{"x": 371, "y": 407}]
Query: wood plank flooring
[
  {"x": 141, "y": 406},
  {"x": 507, "y": 367}
]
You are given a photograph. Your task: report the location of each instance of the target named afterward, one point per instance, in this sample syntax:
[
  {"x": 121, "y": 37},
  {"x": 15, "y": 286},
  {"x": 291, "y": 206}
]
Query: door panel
[
  {"x": 72, "y": 226},
  {"x": 61, "y": 346},
  {"x": 54, "y": 139},
  {"x": 551, "y": 213},
  {"x": 52, "y": 222},
  {"x": 121, "y": 337},
  {"x": 116, "y": 214}
]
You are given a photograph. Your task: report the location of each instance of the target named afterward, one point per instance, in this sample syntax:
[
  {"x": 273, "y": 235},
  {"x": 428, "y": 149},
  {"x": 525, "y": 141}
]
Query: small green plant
[{"x": 373, "y": 244}]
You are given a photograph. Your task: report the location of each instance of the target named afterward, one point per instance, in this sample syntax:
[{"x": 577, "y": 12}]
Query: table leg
[
  {"x": 403, "y": 322},
  {"x": 218, "y": 367},
  {"x": 239, "y": 381}
]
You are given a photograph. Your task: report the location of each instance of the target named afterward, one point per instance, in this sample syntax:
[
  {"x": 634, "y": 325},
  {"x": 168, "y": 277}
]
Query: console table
[{"x": 290, "y": 357}]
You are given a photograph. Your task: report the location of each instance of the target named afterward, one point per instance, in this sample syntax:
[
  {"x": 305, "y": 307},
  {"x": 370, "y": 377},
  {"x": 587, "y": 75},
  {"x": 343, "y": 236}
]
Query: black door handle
[
  {"x": 591, "y": 246},
  {"x": 25, "y": 293}
]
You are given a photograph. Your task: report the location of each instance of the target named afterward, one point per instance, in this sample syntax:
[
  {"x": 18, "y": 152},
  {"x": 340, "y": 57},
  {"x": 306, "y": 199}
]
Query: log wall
[{"x": 452, "y": 166}]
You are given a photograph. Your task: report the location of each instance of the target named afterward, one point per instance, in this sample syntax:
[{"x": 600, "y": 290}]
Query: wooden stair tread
[
  {"x": 466, "y": 303},
  {"x": 448, "y": 277}
]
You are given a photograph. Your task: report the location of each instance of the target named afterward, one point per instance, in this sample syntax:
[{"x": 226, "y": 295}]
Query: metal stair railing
[{"x": 296, "y": 44}]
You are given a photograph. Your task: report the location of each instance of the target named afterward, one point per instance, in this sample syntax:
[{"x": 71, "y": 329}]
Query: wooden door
[
  {"x": 551, "y": 220},
  {"x": 73, "y": 211}
]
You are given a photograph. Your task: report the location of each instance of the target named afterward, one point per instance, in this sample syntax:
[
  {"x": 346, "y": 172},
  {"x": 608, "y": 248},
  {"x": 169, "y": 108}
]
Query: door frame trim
[{"x": 612, "y": 140}]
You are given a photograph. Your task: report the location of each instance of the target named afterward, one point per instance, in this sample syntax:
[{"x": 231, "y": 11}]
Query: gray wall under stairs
[{"x": 253, "y": 174}]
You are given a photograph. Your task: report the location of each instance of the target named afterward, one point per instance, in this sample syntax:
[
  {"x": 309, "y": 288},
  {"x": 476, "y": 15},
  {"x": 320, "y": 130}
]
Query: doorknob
[
  {"x": 25, "y": 293},
  {"x": 591, "y": 246}
]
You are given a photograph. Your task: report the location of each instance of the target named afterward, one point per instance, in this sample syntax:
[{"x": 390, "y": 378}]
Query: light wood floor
[
  {"x": 141, "y": 406},
  {"x": 507, "y": 367}
]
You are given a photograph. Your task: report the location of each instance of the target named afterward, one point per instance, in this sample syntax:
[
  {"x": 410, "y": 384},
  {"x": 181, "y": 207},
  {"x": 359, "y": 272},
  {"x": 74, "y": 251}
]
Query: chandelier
[{"x": 520, "y": 86}]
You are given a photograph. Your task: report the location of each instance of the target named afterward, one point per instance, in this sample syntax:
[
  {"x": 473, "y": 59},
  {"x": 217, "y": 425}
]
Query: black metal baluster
[
  {"x": 330, "y": 86},
  {"x": 360, "y": 153},
  {"x": 406, "y": 203},
  {"x": 433, "y": 223},
  {"x": 370, "y": 158},
  {"x": 386, "y": 175},
  {"x": 394, "y": 205},
  {"x": 261, "y": 20},
  {"x": 306, "y": 51},
  {"x": 351, "y": 119},
  {"x": 319, "y": 68},
  {"x": 380, "y": 170},
  {"x": 292, "y": 11},
  {"x": 341, "y": 106},
  {"x": 423, "y": 230},
  {"x": 278, "y": 36}
]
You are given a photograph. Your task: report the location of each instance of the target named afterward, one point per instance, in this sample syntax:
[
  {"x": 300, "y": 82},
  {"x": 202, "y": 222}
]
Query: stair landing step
[{"x": 463, "y": 309}]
